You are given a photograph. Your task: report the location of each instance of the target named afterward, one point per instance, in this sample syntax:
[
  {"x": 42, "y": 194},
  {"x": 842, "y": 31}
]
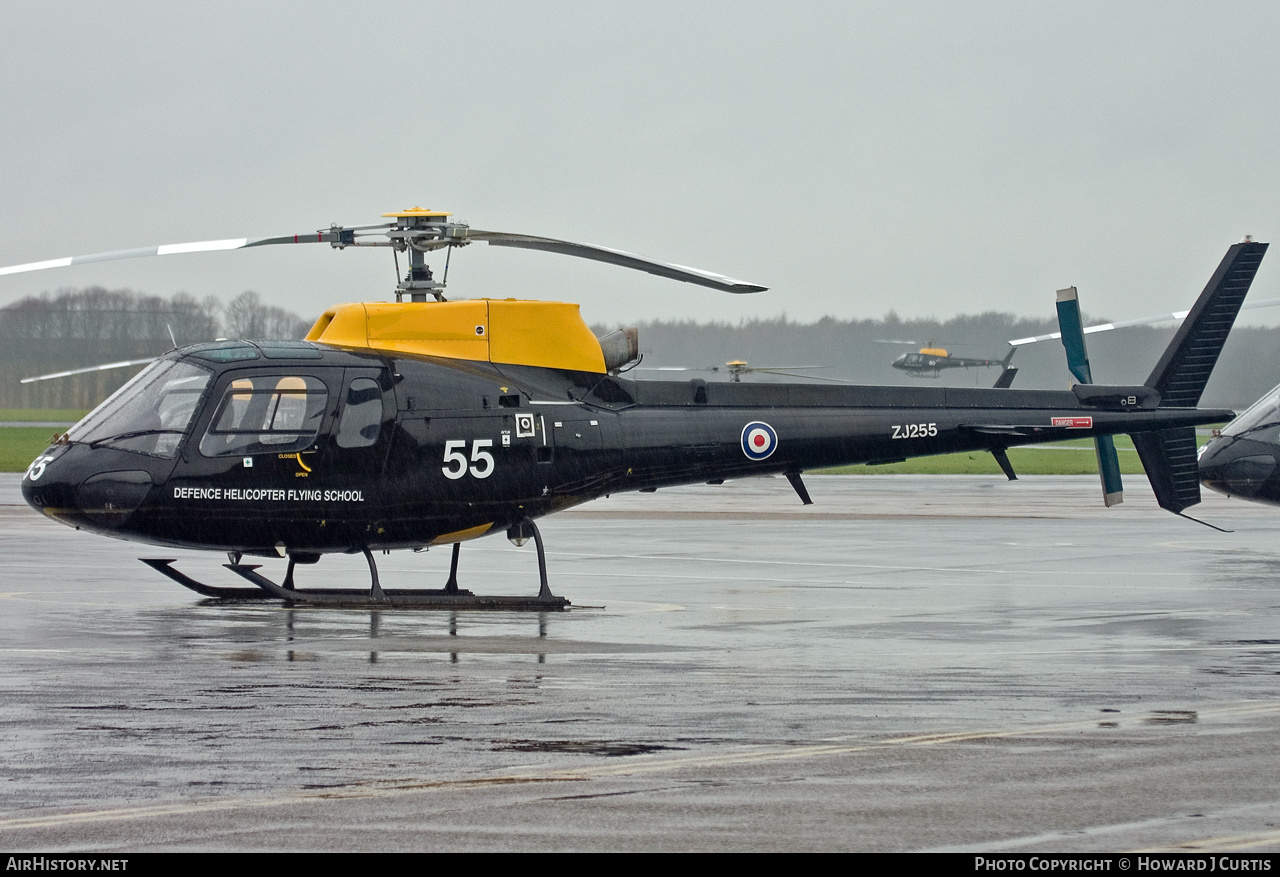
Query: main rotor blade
[
  {"x": 613, "y": 257},
  {"x": 1175, "y": 317},
  {"x": 319, "y": 237}
]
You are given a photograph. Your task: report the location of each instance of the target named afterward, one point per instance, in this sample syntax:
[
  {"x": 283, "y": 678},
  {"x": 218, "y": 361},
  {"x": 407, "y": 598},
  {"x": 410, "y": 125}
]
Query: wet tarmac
[{"x": 912, "y": 663}]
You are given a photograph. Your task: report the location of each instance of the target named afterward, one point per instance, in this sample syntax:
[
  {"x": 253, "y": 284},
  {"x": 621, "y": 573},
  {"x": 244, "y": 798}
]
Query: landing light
[{"x": 520, "y": 533}]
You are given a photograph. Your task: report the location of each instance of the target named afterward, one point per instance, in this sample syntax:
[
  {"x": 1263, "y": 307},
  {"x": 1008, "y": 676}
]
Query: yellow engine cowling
[{"x": 549, "y": 334}]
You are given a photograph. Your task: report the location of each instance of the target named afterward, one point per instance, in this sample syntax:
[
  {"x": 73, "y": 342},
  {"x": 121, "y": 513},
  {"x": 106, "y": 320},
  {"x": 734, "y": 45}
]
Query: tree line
[
  {"x": 862, "y": 352},
  {"x": 78, "y": 328}
]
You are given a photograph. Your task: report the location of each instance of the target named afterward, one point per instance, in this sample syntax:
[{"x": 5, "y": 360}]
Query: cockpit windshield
[
  {"x": 150, "y": 413},
  {"x": 1263, "y": 413}
]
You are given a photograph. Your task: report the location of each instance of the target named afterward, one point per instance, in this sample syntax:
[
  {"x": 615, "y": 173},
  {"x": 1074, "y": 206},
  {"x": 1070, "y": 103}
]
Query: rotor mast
[{"x": 418, "y": 231}]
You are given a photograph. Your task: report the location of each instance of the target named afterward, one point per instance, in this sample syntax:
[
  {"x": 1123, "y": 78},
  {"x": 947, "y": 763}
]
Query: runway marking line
[{"x": 642, "y": 765}]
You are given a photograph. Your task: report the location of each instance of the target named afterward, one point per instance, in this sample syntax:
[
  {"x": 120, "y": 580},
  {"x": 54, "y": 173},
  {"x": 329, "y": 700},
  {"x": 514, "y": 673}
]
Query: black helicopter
[
  {"x": 1243, "y": 458},
  {"x": 411, "y": 424}
]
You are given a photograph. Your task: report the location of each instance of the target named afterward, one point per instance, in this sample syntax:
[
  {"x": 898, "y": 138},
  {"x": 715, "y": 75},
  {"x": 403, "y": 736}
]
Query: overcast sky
[{"x": 929, "y": 158}]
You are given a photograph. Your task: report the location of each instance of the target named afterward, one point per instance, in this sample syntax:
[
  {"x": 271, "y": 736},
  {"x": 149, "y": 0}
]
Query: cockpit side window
[
  {"x": 1269, "y": 434},
  {"x": 150, "y": 414},
  {"x": 266, "y": 414},
  {"x": 1264, "y": 412},
  {"x": 362, "y": 416}
]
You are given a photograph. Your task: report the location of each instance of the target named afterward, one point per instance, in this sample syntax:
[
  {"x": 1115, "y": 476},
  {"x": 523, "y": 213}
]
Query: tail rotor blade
[
  {"x": 1072, "y": 329},
  {"x": 1109, "y": 470}
]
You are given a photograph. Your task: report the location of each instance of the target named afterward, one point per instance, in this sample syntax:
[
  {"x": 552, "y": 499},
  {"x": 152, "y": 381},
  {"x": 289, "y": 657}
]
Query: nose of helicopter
[
  {"x": 63, "y": 484},
  {"x": 44, "y": 486},
  {"x": 1235, "y": 467}
]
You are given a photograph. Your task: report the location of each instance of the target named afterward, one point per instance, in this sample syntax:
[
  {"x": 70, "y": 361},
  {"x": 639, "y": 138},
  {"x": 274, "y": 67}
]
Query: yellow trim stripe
[{"x": 462, "y": 535}]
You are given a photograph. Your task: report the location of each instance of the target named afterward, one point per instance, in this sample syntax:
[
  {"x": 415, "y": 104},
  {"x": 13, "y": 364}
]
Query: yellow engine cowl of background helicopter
[{"x": 548, "y": 334}]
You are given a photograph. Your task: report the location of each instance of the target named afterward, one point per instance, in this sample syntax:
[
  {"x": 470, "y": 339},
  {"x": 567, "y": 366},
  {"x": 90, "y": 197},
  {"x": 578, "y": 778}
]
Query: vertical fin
[
  {"x": 1006, "y": 378},
  {"x": 1184, "y": 369},
  {"x": 1169, "y": 455}
]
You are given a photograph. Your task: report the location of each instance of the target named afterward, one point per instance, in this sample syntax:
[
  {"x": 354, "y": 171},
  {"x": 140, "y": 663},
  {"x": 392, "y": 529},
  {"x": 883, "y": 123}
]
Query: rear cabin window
[{"x": 266, "y": 414}]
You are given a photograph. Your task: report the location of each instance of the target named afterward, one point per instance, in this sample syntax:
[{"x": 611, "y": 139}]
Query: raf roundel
[{"x": 758, "y": 440}]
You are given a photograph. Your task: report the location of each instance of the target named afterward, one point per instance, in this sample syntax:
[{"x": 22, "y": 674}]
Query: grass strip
[
  {"x": 19, "y": 445},
  {"x": 65, "y": 415}
]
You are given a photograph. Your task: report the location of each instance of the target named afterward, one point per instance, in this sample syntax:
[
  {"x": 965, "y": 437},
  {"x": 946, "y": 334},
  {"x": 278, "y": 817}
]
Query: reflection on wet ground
[{"x": 909, "y": 663}]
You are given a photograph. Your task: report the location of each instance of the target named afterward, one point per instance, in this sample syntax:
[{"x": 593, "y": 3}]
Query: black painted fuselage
[{"x": 308, "y": 449}]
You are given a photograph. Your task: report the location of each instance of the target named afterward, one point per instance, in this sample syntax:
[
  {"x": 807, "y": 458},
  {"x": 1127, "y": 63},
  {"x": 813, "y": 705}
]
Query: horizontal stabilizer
[
  {"x": 1169, "y": 456},
  {"x": 1118, "y": 398}
]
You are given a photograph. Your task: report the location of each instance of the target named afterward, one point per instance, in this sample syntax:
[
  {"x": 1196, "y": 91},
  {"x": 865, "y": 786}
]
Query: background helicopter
[
  {"x": 416, "y": 423},
  {"x": 736, "y": 368},
  {"x": 930, "y": 360}
]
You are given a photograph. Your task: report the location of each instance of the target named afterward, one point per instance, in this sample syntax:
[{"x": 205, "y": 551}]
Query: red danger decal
[{"x": 1074, "y": 422}]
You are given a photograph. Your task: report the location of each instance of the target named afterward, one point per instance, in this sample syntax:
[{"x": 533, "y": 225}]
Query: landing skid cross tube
[
  {"x": 376, "y": 596},
  {"x": 162, "y": 566}
]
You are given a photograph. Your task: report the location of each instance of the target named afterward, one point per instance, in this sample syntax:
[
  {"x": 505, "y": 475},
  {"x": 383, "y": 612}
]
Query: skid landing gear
[{"x": 376, "y": 597}]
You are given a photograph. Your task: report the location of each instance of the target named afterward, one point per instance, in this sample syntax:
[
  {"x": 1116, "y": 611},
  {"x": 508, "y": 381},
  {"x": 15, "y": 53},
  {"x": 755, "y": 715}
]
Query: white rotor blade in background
[
  {"x": 1175, "y": 317},
  {"x": 92, "y": 368}
]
